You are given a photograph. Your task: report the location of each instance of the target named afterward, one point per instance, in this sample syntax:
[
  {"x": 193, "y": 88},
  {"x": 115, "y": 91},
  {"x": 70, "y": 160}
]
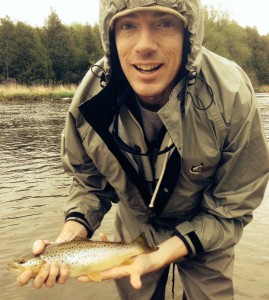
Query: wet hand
[
  {"x": 48, "y": 275},
  {"x": 169, "y": 251}
]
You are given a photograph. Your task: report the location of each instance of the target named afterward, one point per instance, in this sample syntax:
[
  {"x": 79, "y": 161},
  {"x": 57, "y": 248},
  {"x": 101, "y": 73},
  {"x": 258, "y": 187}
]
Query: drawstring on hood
[
  {"x": 190, "y": 80},
  {"x": 196, "y": 104},
  {"x": 101, "y": 74}
]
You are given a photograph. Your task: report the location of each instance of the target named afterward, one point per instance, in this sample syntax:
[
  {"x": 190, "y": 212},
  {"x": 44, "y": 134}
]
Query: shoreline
[{"x": 16, "y": 92}]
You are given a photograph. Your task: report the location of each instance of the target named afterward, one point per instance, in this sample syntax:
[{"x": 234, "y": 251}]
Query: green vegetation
[
  {"x": 53, "y": 54},
  {"x": 245, "y": 46},
  {"x": 56, "y": 56},
  {"x": 13, "y": 91}
]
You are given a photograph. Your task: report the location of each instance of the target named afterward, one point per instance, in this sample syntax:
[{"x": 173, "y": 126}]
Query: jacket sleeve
[
  {"x": 90, "y": 194},
  {"x": 239, "y": 183}
]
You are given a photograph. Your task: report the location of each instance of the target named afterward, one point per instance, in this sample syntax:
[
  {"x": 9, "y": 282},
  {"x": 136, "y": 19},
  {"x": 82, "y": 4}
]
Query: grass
[
  {"x": 262, "y": 89},
  {"x": 55, "y": 92},
  {"x": 37, "y": 92}
]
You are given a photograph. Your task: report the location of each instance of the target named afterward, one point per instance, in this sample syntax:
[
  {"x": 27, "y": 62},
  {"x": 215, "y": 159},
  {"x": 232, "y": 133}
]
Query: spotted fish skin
[{"x": 83, "y": 256}]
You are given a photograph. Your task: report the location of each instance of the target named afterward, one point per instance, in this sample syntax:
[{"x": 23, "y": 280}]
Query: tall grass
[
  {"x": 37, "y": 92},
  {"x": 55, "y": 92},
  {"x": 262, "y": 89}
]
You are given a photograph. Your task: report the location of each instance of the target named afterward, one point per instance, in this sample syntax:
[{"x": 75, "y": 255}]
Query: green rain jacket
[{"x": 215, "y": 176}]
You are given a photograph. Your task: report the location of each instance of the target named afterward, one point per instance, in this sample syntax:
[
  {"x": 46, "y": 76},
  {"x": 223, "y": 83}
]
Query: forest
[{"x": 61, "y": 54}]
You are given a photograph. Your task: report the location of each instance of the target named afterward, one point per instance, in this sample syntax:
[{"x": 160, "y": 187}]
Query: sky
[{"x": 35, "y": 12}]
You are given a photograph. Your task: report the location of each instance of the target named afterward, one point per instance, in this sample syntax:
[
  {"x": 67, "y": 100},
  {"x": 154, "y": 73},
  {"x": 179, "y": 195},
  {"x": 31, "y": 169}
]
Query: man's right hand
[
  {"x": 48, "y": 275},
  {"x": 55, "y": 272}
]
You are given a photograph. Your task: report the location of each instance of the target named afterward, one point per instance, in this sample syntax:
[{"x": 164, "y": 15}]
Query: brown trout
[{"x": 83, "y": 256}]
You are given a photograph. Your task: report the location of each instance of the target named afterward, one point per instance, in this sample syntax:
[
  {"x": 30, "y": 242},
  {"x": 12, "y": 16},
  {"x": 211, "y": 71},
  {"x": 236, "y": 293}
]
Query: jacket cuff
[
  {"x": 186, "y": 233},
  {"x": 80, "y": 218}
]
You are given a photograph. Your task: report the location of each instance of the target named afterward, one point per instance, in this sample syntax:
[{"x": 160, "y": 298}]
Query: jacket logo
[{"x": 197, "y": 170}]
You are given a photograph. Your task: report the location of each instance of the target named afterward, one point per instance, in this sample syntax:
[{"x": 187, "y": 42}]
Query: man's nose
[{"x": 146, "y": 42}]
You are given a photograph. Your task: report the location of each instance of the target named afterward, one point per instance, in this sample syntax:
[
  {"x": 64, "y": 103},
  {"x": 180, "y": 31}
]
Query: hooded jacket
[{"x": 217, "y": 172}]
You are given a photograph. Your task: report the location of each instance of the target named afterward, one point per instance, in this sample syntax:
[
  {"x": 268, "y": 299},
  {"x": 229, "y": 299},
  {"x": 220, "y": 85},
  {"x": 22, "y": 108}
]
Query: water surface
[{"x": 33, "y": 189}]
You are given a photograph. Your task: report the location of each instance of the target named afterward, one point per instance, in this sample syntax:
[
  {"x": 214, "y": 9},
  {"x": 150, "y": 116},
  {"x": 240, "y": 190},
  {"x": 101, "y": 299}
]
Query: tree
[
  {"x": 215, "y": 39},
  {"x": 93, "y": 43},
  {"x": 59, "y": 45},
  {"x": 7, "y": 47},
  {"x": 225, "y": 37},
  {"x": 81, "y": 55},
  {"x": 32, "y": 63},
  {"x": 260, "y": 54}
]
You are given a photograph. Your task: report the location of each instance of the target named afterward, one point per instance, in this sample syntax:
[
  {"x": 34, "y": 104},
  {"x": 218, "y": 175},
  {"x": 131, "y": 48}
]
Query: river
[{"x": 33, "y": 189}]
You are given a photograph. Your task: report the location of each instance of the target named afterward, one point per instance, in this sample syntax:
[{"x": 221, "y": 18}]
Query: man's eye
[
  {"x": 166, "y": 24},
  {"x": 127, "y": 26}
]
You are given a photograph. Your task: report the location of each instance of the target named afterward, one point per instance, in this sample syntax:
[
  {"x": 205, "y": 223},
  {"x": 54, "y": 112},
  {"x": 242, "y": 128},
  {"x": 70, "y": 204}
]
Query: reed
[
  {"x": 36, "y": 92},
  {"x": 55, "y": 92},
  {"x": 263, "y": 89}
]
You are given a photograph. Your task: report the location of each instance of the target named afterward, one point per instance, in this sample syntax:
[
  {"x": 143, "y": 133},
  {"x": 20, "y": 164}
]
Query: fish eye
[{"x": 21, "y": 261}]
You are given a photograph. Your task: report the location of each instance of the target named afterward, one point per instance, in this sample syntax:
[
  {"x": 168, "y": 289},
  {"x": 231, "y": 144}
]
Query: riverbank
[
  {"x": 55, "y": 92},
  {"x": 262, "y": 89},
  {"x": 36, "y": 92}
]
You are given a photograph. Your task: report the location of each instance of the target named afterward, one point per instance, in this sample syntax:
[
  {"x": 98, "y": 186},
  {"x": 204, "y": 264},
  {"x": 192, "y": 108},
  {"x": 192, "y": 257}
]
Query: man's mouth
[{"x": 147, "y": 68}]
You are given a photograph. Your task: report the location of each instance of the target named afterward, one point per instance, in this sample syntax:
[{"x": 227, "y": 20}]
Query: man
[{"x": 172, "y": 133}]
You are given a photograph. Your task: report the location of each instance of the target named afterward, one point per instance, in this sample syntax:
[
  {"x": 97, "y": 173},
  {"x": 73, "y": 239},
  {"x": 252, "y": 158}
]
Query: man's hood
[{"x": 191, "y": 9}]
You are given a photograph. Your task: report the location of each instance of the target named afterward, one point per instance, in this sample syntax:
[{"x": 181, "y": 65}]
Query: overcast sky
[{"x": 34, "y": 12}]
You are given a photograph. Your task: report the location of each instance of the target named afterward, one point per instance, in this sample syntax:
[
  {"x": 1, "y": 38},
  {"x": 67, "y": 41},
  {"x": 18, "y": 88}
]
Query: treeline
[
  {"x": 245, "y": 46},
  {"x": 57, "y": 53},
  {"x": 53, "y": 54}
]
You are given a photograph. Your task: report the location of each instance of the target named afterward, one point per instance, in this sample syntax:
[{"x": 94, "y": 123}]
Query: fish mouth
[
  {"x": 147, "y": 69},
  {"x": 15, "y": 269}
]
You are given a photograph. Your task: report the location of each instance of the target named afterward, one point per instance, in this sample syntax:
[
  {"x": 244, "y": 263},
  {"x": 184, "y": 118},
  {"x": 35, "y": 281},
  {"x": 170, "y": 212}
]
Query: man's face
[{"x": 150, "y": 46}]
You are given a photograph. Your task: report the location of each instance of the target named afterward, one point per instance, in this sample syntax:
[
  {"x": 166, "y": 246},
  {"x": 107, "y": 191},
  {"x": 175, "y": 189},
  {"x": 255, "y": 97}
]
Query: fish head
[{"x": 26, "y": 262}]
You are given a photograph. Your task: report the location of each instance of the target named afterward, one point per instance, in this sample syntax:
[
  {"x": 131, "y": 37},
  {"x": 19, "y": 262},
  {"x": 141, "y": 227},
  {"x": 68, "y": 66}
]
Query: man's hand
[
  {"x": 168, "y": 252},
  {"x": 50, "y": 274}
]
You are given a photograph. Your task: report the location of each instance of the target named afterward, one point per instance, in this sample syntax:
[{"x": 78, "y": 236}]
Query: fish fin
[
  {"x": 80, "y": 238},
  {"x": 95, "y": 276},
  {"x": 128, "y": 261},
  {"x": 142, "y": 241}
]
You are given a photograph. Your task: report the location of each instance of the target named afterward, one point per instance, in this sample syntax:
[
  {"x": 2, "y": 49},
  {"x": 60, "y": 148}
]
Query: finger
[
  {"x": 53, "y": 274},
  {"x": 83, "y": 279},
  {"x": 64, "y": 270},
  {"x": 42, "y": 276},
  {"x": 24, "y": 277},
  {"x": 115, "y": 273},
  {"x": 39, "y": 246},
  {"x": 135, "y": 280},
  {"x": 103, "y": 237}
]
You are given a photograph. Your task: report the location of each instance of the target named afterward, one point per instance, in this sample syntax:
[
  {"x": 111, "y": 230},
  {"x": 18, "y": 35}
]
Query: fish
[{"x": 83, "y": 256}]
